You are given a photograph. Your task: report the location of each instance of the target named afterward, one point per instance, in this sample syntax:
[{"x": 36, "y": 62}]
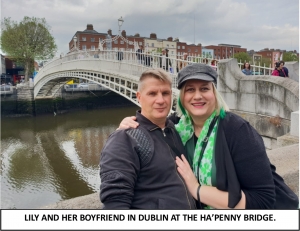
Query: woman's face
[
  {"x": 247, "y": 65},
  {"x": 199, "y": 98},
  {"x": 281, "y": 65}
]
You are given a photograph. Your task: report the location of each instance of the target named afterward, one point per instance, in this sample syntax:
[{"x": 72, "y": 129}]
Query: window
[
  {"x": 84, "y": 47},
  {"x": 92, "y": 39},
  {"x": 178, "y": 47},
  {"x": 152, "y": 44},
  {"x": 140, "y": 43},
  {"x": 92, "y": 47},
  {"x": 167, "y": 45},
  {"x": 172, "y": 52},
  {"x": 116, "y": 42},
  {"x": 196, "y": 50},
  {"x": 178, "y": 53},
  {"x": 189, "y": 50},
  {"x": 172, "y": 46},
  {"x": 83, "y": 38},
  {"x": 147, "y": 44},
  {"x": 121, "y": 42},
  {"x": 183, "y": 47}
]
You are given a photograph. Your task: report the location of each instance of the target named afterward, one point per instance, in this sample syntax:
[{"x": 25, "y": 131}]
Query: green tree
[
  {"x": 27, "y": 41},
  {"x": 242, "y": 57},
  {"x": 289, "y": 56},
  {"x": 265, "y": 61},
  {"x": 159, "y": 50}
]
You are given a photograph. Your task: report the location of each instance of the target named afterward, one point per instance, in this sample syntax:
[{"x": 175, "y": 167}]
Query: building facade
[
  {"x": 271, "y": 55},
  {"x": 225, "y": 51},
  {"x": 190, "y": 49},
  {"x": 89, "y": 40},
  {"x": 208, "y": 53}
]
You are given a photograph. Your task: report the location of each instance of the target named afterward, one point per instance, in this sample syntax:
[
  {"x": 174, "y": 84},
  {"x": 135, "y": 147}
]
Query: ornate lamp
[
  {"x": 75, "y": 40},
  {"x": 120, "y": 22}
]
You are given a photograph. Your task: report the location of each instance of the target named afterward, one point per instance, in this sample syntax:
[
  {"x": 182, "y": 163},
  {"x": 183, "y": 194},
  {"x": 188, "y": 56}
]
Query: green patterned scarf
[{"x": 185, "y": 129}]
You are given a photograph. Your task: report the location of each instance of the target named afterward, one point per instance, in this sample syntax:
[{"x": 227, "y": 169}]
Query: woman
[
  {"x": 246, "y": 69},
  {"x": 279, "y": 71},
  {"x": 230, "y": 167}
]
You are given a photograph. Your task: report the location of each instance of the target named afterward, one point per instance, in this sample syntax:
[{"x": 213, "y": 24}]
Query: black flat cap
[{"x": 196, "y": 71}]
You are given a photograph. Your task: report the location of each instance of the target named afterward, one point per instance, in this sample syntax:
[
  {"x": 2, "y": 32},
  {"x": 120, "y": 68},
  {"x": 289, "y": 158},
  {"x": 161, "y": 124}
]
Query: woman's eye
[{"x": 189, "y": 89}]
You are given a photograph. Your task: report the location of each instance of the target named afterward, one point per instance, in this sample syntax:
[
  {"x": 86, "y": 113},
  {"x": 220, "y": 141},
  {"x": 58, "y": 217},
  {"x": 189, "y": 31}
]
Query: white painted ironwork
[{"x": 115, "y": 70}]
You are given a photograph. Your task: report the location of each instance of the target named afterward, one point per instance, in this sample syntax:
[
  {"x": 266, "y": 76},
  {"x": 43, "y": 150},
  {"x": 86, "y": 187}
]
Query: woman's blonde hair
[{"x": 220, "y": 102}]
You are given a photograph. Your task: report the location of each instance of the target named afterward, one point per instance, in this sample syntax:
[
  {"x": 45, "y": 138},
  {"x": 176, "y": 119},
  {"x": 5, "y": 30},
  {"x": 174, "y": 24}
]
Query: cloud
[{"x": 253, "y": 24}]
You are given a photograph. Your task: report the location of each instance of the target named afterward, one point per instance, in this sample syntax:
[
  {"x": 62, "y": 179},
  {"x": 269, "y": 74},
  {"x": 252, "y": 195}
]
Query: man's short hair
[{"x": 157, "y": 73}]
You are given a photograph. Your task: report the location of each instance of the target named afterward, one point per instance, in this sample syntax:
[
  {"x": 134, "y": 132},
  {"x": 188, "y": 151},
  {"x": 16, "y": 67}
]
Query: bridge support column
[{"x": 25, "y": 100}]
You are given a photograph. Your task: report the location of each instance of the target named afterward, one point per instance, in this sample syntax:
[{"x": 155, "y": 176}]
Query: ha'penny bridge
[{"x": 269, "y": 103}]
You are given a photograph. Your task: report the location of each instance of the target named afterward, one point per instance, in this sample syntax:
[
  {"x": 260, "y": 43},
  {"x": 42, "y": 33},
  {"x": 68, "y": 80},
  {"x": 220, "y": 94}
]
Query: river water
[{"x": 46, "y": 159}]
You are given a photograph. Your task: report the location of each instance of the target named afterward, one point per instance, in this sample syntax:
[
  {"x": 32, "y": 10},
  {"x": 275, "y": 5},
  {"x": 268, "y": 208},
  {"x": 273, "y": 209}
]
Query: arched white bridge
[
  {"x": 101, "y": 67},
  {"x": 117, "y": 71}
]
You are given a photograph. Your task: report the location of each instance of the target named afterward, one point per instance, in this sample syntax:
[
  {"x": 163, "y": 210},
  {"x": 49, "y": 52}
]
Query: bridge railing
[{"x": 143, "y": 60}]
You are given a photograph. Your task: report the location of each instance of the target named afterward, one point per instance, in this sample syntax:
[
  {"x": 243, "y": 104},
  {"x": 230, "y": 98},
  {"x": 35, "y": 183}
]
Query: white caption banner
[{"x": 150, "y": 219}]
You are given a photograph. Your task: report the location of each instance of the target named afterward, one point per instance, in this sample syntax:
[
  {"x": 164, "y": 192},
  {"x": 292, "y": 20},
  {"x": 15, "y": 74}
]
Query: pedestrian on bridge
[
  {"x": 164, "y": 61},
  {"x": 184, "y": 61},
  {"x": 140, "y": 55},
  {"x": 279, "y": 71},
  {"x": 247, "y": 69}
]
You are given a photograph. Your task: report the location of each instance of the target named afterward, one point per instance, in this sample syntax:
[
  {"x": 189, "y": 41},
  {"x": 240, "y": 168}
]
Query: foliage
[
  {"x": 289, "y": 56},
  {"x": 242, "y": 56},
  {"x": 159, "y": 50},
  {"x": 27, "y": 41},
  {"x": 265, "y": 61}
]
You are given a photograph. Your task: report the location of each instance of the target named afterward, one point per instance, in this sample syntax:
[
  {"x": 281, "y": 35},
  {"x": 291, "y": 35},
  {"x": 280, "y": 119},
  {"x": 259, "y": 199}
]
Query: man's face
[
  {"x": 163, "y": 52},
  {"x": 155, "y": 99}
]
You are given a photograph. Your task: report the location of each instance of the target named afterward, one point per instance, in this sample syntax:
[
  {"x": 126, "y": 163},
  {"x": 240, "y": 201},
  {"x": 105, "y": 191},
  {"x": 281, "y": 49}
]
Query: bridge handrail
[{"x": 132, "y": 57}]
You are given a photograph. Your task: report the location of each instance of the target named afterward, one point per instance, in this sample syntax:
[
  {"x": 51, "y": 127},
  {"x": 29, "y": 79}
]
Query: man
[
  {"x": 164, "y": 60},
  {"x": 278, "y": 71},
  {"x": 137, "y": 166},
  {"x": 140, "y": 55},
  {"x": 284, "y": 69},
  {"x": 184, "y": 61}
]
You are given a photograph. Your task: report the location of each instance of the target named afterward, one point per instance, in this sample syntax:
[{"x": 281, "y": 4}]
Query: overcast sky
[{"x": 252, "y": 24}]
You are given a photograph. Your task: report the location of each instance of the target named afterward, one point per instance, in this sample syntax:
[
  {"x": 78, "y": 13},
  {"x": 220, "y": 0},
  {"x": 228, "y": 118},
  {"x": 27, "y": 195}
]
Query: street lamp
[
  {"x": 120, "y": 22},
  {"x": 75, "y": 40}
]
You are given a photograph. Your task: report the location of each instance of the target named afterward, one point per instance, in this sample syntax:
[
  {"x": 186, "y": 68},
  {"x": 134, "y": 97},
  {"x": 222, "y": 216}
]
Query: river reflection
[{"x": 47, "y": 159}]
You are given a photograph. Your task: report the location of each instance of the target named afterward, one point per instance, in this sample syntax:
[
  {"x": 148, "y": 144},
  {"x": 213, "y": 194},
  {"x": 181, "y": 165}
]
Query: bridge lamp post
[
  {"x": 75, "y": 40},
  {"x": 120, "y": 22}
]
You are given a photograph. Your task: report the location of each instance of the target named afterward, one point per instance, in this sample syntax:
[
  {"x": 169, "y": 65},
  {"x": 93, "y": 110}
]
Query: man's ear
[{"x": 138, "y": 96}]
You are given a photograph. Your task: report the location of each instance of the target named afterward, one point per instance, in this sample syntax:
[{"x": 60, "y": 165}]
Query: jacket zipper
[{"x": 186, "y": 190}]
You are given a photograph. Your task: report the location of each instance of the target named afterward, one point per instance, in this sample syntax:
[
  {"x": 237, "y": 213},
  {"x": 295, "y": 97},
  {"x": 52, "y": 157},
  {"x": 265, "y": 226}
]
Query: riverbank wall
[{"x": 21, "y": 102}]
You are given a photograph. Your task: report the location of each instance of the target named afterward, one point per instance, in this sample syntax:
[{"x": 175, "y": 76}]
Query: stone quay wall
[{"x": 267, "y": 102}]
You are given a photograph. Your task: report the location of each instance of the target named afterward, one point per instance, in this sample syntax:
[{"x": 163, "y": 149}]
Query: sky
[{"x": 252, "y": 24}]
